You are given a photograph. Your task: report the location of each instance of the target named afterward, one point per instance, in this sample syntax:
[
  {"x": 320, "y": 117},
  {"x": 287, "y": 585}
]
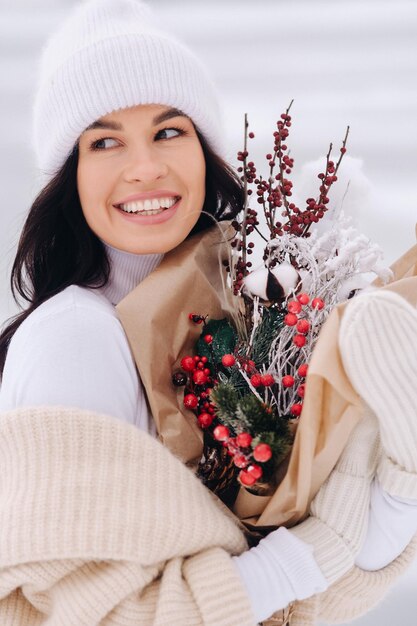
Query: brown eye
[
  {"x": 98, "y": 144},
  {"x": 180, "y": 132}
]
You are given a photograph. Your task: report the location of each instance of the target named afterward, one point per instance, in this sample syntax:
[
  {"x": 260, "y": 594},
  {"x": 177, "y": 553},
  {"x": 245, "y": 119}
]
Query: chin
[{"x": 149, "y": 248}]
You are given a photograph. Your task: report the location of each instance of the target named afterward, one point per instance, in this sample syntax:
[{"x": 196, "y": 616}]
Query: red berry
[
  {"x": 199, "y": 377},
  {"x": 262, "y": 452},
  {"x": 290, "y": 319},
  {"x": 187, "y": 363},
  {"x": 303, "y": 298},
  {"x": 295, "y": 410},
  {"x": 255, "y": 471},
  {"x": 303, "y": 326},
  {"x": 288, "y": 381},
  {"x": 197, "y": 319},
  {"x": 249, "y": 366},
  {"x": 204, "y": 359},
  {"x": 221, "y": 433},
  {"x": 240, "y": 460},
  {"x": 294, "y": 306},
  {"x": 230, "y": 444},
  {"x": 190, "y": 401},
  {"x": 228, "y": 360},
  {"x": 256, "y": 380},
  {"x": 301, "y": 391},
  {"x": 246, "y": 479},
  {"x": 317, "y": 303},
  {"x": 267, "y": 380},
  {"x": 205, "y": 420},
  {"x": 208, "y": 338},
  {"x": 244, "y": 440},
  {"x": 302, "y": 370},
  {"x": 299, "y": 340}
]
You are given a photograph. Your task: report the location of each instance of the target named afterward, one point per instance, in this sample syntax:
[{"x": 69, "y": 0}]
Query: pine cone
[{"x": 217, "y": 471}]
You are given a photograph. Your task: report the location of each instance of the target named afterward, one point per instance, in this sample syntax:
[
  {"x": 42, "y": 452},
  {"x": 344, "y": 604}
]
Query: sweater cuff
[
  {"x": 360, "y": 591},
  {"x": 218, "y": 589},
  {"x": 331, "y": 553},
  {"x": 395, "y": 480}
]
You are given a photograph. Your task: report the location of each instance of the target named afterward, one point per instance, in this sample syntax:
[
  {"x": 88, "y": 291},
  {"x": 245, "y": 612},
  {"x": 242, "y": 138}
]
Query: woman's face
[{"x": 141, "y": 178}]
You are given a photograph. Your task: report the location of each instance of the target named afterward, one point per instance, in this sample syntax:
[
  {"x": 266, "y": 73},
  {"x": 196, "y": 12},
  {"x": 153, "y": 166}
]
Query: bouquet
[{"x": 247, "y": 379}]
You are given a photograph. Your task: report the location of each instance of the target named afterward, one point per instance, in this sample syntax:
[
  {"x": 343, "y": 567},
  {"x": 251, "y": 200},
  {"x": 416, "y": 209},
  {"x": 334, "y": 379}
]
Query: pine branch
[
  {"x": 256, "y": 414},
  {"x": 225, "y": 398},
  {"x": 267, "y": 331}
]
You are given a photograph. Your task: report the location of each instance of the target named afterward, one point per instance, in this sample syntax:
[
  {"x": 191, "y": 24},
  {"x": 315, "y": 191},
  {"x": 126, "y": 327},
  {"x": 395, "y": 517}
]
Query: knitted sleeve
[
  {"x": 355, "y": 594},
  {"x": 360, "y": 591},
  {"x": 95, "y": 592},
  {"x": 102, "y": 525}
]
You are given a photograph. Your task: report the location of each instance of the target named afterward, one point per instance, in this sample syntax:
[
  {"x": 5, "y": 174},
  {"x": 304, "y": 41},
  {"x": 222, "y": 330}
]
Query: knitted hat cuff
[
  {"x": 118, "y": 65},
  {"x": 396, "y": 480}
]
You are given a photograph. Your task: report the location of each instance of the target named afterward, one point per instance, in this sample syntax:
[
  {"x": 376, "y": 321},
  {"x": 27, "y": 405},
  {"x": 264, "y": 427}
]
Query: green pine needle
[{"x": 269, "y": 327}]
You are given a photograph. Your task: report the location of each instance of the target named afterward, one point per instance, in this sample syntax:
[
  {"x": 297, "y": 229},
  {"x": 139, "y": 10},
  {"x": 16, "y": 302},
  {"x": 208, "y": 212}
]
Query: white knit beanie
[{"x": 109, "y": 55}]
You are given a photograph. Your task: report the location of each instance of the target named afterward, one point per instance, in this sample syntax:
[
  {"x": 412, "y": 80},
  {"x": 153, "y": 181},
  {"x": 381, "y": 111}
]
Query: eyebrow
[{"x": 161, "y": 117}]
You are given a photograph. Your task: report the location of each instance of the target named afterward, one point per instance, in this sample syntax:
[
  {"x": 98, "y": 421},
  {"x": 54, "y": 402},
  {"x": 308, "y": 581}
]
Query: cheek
[
  {"x": 197, "y": 175},
  {"x": 84, "y": 184},
  {"x": 92, "y": 186}
]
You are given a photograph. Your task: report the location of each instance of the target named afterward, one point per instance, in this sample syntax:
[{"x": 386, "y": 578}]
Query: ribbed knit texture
[
  {"x": 338, "y": 518},
  {"x": 85, "y": 541},
  {"x": 83, "y": 532},
  {"x": 108, "y": 55},
  {"x": 127, "y": 271},
  {"x": 358, "y": 592},
  {"x": 378, "y": 344}
]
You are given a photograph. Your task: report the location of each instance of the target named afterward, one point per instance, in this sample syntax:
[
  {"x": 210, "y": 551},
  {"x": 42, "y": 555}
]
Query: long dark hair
[{"x": 57, "y": 248}]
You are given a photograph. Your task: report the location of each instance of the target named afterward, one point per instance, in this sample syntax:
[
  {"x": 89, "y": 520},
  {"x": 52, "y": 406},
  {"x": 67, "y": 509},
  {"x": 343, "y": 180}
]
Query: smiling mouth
[{"x": 148, "y": 207}]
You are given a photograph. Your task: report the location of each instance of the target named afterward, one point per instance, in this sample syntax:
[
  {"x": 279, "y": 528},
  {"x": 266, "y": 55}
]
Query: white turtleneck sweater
[{"x": 72, "y": 351}]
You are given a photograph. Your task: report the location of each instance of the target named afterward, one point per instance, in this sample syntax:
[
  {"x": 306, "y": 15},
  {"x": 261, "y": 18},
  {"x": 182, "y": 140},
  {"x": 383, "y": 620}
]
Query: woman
[{"x": 128, "y": 136}]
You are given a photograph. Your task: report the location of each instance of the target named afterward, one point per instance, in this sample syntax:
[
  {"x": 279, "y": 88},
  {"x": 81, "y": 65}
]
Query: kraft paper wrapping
[{"x": 154, "y": 316}]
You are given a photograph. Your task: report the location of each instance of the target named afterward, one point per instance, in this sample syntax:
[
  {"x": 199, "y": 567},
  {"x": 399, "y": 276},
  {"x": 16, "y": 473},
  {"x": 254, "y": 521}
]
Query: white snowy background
[{"x": 347, "y": 62}]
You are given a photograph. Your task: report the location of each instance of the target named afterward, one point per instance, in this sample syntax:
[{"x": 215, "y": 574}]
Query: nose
[{"x": 144, "y": 164}]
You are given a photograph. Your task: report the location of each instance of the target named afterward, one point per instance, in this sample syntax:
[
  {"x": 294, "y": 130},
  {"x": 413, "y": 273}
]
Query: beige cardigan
[{"x": 100, "y": 524}]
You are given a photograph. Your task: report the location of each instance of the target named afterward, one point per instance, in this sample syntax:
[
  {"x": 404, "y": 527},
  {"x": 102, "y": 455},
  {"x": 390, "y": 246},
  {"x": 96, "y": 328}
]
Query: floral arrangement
[{"x": 247, "y": 380}]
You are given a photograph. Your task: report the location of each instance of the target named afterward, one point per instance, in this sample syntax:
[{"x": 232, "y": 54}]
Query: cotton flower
[{"x": 273, "y": 284}]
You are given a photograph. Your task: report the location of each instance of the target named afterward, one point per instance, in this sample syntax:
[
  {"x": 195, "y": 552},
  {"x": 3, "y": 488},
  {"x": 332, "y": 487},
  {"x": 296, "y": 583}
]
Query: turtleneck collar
[{"x": 127, "y": 270}]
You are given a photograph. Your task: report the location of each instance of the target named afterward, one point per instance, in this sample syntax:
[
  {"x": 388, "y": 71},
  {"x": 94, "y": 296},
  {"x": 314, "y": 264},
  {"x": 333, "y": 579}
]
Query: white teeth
[
  {"x": 153, "y": 212},
  {"x": 156, "y": 204}
]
